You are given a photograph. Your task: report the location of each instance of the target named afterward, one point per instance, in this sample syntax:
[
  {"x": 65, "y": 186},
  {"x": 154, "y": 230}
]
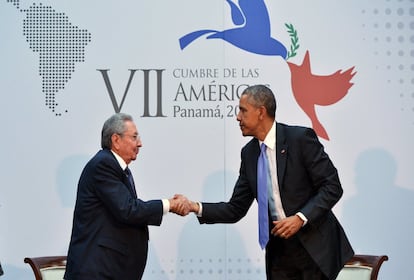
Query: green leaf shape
[{"x": 294, "y": 40}]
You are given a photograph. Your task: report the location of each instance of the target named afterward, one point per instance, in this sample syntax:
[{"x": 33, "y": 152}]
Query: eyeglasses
[{"x": 135, "y": 137}]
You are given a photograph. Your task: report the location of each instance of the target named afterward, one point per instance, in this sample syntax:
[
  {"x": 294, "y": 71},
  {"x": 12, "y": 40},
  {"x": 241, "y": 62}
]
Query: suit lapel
[
  {"x": 252, "y": 151},
  {"x": 281, "y": 153},
  {"x": 124, "y": 177}
]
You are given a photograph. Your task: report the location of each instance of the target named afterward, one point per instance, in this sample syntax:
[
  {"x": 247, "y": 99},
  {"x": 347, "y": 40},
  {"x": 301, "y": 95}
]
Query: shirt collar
[
  {"x": 120, "y": 160},
  {"x": 270, "y": 139}
]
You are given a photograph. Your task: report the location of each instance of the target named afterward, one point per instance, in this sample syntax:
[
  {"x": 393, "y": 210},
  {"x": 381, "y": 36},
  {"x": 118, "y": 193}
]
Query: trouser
[{"x": 287, "y": 259}]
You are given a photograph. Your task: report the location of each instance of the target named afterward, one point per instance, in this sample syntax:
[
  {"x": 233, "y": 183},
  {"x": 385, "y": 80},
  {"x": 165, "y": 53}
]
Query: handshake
[{"x": 180, "y": 205}]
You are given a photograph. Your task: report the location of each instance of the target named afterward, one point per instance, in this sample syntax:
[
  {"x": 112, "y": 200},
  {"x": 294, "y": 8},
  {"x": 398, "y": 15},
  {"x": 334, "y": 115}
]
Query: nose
[{"x": 238, "y": 117}]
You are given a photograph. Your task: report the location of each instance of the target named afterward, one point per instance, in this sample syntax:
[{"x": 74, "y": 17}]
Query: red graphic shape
[{"x": 310, "y": 90}]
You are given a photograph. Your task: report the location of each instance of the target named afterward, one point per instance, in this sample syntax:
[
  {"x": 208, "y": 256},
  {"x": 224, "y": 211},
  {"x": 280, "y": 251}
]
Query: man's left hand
[{"x": 287, "y": 227}]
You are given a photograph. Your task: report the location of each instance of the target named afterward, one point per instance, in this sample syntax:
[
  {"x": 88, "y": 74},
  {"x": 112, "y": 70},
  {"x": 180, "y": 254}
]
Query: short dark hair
[
  {"x": 114, "y": 125},
  {"x": 261, "y": 95}
]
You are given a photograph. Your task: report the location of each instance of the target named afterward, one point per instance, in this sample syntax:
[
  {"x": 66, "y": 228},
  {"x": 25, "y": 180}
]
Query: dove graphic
[
  {"x": 252, "y": 33},
  {"x": 310, "y": 90}
]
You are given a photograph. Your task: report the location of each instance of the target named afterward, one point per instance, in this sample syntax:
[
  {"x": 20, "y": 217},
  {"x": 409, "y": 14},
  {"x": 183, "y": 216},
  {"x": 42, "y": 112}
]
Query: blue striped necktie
[{"x": 262, "y": 196}]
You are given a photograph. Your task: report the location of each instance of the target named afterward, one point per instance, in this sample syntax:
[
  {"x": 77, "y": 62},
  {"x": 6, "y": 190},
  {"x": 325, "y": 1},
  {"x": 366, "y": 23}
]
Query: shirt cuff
[
  {"x": 165, "y": 206},
  {"x": 303, "y": 218},
  {"x": 200, "y": 209}
]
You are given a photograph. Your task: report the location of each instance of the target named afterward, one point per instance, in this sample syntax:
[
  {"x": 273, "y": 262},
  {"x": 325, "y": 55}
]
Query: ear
[
  {"x": 262, "y": 112},
  {"x": 115, "y": 138}
]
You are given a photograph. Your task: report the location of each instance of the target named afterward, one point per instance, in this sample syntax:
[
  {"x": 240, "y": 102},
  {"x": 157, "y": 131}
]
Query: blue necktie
[{"x": 262, "y": 197}]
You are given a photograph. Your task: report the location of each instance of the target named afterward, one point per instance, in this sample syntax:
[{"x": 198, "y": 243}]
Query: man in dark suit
[
  {"x": 110, "y": 224},
  {"x": 304, "y": 240}
]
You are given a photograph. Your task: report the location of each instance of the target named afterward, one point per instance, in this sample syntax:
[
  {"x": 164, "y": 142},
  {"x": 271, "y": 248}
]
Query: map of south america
[{"x": 59, "y": 44}]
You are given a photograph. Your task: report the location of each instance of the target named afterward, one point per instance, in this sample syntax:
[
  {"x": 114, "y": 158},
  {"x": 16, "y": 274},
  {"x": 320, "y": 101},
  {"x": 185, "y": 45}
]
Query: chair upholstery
[
  {"x": 48, "y": 267},
  {"x": 362, "y": 267}
]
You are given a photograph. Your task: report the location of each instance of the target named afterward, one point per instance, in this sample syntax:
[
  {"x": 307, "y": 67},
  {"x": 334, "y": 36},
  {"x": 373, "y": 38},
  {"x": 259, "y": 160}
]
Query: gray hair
[
  {"x": 261, "y": 95},
  {"x": 114, "y": 125}
]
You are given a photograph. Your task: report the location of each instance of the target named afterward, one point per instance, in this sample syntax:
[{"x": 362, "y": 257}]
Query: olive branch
[{"x": 293, "y": 39}]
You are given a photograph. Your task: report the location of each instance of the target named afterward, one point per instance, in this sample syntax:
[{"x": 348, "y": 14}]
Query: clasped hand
[{"x": 180, "y": 205}]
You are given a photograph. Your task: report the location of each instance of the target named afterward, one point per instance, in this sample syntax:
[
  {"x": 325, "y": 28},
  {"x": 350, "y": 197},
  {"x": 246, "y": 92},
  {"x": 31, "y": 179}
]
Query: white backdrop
[{"x": 54, "y": 100}]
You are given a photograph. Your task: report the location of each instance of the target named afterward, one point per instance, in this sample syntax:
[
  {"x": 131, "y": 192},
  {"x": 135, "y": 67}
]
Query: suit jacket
[
  {"x": 110, "y": 225},
  {"x": 308, "y": 183}
]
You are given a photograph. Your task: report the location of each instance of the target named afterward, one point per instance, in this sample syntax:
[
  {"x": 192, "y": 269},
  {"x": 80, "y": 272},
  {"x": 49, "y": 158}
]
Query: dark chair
[
  {"x": 48, "y": 267},
  {"x": 362, "y": 267}
]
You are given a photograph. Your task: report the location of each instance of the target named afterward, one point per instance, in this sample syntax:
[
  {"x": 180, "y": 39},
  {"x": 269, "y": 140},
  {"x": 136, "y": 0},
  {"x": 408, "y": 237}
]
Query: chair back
[
  {"x": 48, "y": 267},
  {"x": 362, "y": 267}
]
